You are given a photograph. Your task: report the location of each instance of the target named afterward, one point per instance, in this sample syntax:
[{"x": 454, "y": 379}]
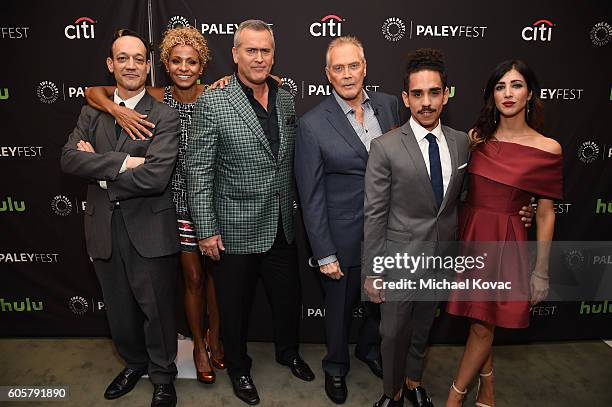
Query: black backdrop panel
[{"x": 53, "y": 51}]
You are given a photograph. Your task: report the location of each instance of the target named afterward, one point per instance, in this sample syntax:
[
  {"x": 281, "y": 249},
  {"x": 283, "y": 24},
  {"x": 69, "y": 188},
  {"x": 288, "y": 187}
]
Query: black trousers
[
  {"x": 139, "y": 300},
  {"x": 236, "y": 277},
  {"x": 341, "y": 296}
]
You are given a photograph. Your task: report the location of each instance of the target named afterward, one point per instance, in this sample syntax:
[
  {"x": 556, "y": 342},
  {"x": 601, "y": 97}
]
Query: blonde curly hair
[{"x": 184, "y": 35}]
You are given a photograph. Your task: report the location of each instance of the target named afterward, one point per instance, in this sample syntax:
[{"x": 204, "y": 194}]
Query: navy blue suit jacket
[{"x": 330, "y": 163}]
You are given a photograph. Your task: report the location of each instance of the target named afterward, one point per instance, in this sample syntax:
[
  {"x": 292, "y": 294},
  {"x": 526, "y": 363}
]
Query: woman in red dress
[{"x": 511, "y": 161}]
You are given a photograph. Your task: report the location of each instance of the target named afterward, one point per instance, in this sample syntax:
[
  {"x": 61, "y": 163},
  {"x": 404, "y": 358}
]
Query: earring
[{"x": 495, "y": 116}]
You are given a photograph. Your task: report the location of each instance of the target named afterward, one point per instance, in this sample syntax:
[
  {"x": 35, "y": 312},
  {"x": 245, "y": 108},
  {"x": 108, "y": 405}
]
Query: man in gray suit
[
  {"x": 130, "y": 222},
  {"x": 413, "y": 183},
  {"x": 240, "y": 184},
  {"x": 331, "y": 154}
]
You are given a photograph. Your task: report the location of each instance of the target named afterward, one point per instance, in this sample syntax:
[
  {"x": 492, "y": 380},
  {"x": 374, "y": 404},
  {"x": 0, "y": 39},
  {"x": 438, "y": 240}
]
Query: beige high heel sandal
[
  {"x": 460, "y": 392},
  {"x": 478, "y": 391}
]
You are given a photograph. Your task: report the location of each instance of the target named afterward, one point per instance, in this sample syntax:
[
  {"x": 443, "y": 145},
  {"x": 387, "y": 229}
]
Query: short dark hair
[
  {"x": 488, "y": 118},
  {"x": 425, "y": 59},
  {"x": 125, "y": 32}
]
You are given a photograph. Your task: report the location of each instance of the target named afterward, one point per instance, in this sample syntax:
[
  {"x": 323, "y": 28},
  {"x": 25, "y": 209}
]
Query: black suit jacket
[
  {"x": 330, "y": 164},
  {"x": 144, "y": 192}
]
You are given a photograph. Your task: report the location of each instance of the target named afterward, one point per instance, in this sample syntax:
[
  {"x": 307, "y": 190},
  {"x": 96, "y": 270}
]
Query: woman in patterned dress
[
  {"x": 184, "y": 53},
  {"x": 511, "y": 161}
]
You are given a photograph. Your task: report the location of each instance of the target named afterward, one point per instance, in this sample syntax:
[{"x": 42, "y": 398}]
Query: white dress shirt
[
  {"x": 130, "y": 104},
  {"x": 419, "y": 133}
]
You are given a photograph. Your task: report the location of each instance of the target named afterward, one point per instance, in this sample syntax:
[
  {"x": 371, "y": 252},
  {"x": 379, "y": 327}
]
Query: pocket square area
[{"x": 462, "y": 166}]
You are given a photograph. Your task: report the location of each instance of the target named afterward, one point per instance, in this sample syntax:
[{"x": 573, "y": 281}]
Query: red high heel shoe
[
  {"x": 204, "y": 376},
  {"x": 217, "y": 363}
]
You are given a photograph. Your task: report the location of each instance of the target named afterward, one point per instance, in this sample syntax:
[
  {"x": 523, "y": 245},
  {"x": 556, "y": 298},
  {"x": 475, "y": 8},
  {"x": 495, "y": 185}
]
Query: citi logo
[
  {"x": 541, "y": 30},
  {"x": 601, "y": 308},
  {"x": 329, "y": 26},
  {"x": 20, "y": 306},
  {"x": 8, "y": 205},
  {"x": 83, "y": 28},
  {"x": 4, "y": 93}
]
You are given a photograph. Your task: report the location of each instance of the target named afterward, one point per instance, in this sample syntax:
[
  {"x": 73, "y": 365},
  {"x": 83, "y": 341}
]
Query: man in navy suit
[{"x": 331, "y": 154}]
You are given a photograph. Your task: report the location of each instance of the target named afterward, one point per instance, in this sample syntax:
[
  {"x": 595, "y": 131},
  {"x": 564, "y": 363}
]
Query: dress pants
[
  {"x": 341, "y": 296},
  {"x": 139, "y": 300},
  {"x": 236, "y": 277},
  {"x": 404, "y": 331}
]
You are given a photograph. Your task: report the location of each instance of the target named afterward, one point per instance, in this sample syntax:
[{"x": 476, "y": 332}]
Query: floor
[{"x": 545, "y": 374}]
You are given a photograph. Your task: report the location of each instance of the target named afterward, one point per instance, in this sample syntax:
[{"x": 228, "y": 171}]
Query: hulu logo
[
  {"x": 4, "y": 94},
  {"x": 603, "y": 207},
  {"x": 20, "y": 306},
  {"x": 8, "y": 205},
  {"x": 601, "y": 308},
  {"x": 451, "y": 92}
]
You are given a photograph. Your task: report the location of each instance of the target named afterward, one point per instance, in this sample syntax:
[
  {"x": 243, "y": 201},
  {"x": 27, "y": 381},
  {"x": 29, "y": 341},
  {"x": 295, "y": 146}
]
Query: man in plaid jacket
[{"x": 240, "y": 188}]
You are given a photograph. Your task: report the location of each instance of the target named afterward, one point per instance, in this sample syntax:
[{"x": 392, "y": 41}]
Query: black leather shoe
[
  {"x": 335, "y": 388},
  {"x": 374, "y": 365},
  {"x": 389, "y": 402},
  {"x": 417, "y": 396},
  {"x": 300, "y": 369},
  {"x": 245, "y": 389},
  {"x": 123, "y": 383},
  {"x": 164, "y": 395}
]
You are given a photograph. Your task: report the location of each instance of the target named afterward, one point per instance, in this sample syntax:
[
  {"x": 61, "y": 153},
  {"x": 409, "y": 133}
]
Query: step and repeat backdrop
[{"x": 52, "y": 51}]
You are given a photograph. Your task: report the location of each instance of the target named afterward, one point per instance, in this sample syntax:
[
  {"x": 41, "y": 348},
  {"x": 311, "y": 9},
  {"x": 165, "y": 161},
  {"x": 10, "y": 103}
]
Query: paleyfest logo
[
  {"x": 47, "y": 92},
  {"x": 177, "y": 21},
  {"x": 601, "y": 34},
  {"x": 289, "y": 85}
]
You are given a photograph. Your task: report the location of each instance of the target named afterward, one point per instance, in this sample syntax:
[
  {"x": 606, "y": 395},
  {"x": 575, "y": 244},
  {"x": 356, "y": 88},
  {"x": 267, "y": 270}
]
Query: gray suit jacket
[
  {"x": 399, "y": 203},
  {"x": 143, "y": 192},
  {"x": 330, "y": 163}
]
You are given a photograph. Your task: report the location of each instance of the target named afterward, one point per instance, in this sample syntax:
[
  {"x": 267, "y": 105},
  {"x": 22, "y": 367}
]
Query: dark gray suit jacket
[
  {"x": 399, "y": 203},
  {"x": 330, "y": 163},
  {"x": 143, "y": 192}
]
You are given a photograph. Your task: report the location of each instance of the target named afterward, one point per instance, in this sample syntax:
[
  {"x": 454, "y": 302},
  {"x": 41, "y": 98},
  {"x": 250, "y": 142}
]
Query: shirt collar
[
  {"x": 346, "y": 108},
  {"x": 131, "y": 102},
  {"x": 272, "y": 86},
  {"x": 420, "y": 132}
]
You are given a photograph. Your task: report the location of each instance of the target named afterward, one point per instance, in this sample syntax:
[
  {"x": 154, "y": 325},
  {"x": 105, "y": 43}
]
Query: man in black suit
[
  {"x": 130, "y": 222},
  {"x": 331, "y": 154}
]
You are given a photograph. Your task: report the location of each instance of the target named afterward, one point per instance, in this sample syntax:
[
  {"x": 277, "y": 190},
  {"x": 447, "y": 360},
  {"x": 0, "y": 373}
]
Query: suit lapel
[
  {"x": 340, "y": 122},
  {"x": 144, "y": 107},
  {"x": 414, "y": 151},
  {"x": 385, "y": 121},
  {"x": 244, "y": 109},
  {"x": 452, "y": 148},
  {"x": 280, "y": 115},
  {"x": 108, "y": 127}
]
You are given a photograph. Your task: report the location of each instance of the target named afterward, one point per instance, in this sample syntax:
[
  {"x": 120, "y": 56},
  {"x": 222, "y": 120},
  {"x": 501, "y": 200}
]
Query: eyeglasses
[{"x": 353, "y": 67}]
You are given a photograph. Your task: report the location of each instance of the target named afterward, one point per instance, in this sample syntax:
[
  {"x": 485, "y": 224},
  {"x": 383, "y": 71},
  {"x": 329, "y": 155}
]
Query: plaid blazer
[{"x": 234, "y": 183}]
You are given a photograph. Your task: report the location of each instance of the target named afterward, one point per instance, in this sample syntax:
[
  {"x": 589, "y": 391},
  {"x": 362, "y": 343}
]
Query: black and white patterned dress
[{"x": 187, "y": 234}]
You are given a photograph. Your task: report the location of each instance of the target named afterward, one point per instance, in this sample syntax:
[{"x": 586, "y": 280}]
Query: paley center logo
[
  {"x": 82, "y": 28},
  {"x": 601, "y": 34},
  {"x": 393, "y": 29},
  {"x": 329, "y": 26},
  {"x": 47, "y": 92},
  {"x": 289, "y": 85},
  {"x": 540, "y": 30},
  {"x": 589, "y": 151},
  {"x": 61, "y": 205},
  {"x": 177, "y": 21},
  {"x": 80, "y": 306}
]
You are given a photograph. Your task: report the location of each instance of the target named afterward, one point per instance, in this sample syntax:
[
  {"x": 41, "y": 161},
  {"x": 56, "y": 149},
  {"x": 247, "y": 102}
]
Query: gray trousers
[
  {"x": 139, "y": 300},
  {"x": 404, "y": 331}
]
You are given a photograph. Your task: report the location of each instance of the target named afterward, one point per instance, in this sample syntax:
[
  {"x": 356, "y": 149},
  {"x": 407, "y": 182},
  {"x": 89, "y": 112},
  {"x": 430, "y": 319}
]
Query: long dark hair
[{"x": 488, "y": 119}]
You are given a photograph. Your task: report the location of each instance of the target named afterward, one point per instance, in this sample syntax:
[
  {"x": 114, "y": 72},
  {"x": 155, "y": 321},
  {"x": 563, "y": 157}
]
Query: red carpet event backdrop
[{"x": 54, "y": 50}]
